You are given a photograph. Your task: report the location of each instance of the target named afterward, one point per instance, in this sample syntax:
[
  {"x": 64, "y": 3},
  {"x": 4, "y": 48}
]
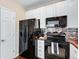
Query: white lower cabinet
[
  {"x": 73, "y": 52},
  {"x": 40, "y": 49}
]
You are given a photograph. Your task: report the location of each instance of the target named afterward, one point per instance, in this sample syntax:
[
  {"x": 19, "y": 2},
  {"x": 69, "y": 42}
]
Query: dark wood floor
[
  {"x": 19, "y": 57},
  {"x": 27, "y": 55},
  {"x": 47, "y": 57}
]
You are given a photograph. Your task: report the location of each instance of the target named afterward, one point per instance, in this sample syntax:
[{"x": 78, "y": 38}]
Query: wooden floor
[
  {"x": 24, "y": 55},
  {"x": 19, "y": 57}
]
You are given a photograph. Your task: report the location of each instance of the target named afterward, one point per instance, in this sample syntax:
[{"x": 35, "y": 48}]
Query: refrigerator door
[{"x": 23, "y": 40}]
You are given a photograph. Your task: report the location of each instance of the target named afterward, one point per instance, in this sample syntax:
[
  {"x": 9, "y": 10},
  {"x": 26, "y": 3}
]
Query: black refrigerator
[{"x": 26, "y": 27}]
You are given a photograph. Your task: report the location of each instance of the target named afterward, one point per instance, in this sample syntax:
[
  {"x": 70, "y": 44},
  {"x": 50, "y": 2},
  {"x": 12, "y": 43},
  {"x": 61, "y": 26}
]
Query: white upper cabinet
[{"x": 62, "y": 8}]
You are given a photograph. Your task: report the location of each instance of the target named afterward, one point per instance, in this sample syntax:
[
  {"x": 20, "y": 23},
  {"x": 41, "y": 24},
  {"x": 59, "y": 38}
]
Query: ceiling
[{"x": 31, "y": 4}]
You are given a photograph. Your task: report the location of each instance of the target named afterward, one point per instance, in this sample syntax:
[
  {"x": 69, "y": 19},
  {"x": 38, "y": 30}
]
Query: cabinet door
[
  {"x": 40, "y": 49},
  {"x": 7, "y": 34},
  {"x": 73, "y": 52}
]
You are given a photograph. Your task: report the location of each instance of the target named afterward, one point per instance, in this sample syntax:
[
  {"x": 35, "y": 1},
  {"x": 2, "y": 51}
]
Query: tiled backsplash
[{"x": 72, "y": 33}]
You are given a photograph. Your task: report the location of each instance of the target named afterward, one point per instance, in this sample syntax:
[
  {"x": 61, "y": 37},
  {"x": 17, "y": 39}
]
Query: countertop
[{"x": 73, "y": 42}]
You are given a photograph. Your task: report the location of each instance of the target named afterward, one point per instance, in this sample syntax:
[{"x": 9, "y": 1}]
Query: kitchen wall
[
  {"x": 68, "y": 7},
  {"x": 20, "y": 14}
]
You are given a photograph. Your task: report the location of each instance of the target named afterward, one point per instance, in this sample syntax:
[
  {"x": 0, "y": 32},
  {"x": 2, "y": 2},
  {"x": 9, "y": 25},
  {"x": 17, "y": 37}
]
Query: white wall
[{"x": 68, "y": 7}]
